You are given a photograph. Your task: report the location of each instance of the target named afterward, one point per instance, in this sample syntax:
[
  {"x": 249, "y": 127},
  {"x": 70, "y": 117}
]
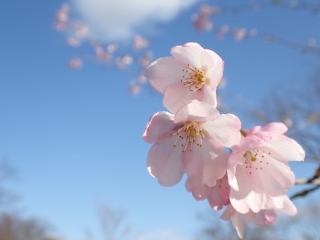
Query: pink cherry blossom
[
  {"x": 261, "y": 218},
  {"x": 217, "y": 196},
  {"x": 191, "y": 141},
  {"x": 191, "y": 73},
  {"x": 258, "y": 168}
]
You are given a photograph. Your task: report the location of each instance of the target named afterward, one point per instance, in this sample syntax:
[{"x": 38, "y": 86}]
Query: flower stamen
[
  {"x": 192, "y": 133},
  {"x": 195, "y": 80}
]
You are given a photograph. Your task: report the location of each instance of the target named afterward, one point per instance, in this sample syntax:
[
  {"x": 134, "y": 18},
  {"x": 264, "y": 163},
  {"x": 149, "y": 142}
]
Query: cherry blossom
[
  {"x": 191, "y": 73},
  {"x": 190, "y": 141},
  {"x": 75, "y": 63},
  {"x": 261, "y": 218},
  {"x": 258, "y": 168},
  {"x": 217, "y": 196}
]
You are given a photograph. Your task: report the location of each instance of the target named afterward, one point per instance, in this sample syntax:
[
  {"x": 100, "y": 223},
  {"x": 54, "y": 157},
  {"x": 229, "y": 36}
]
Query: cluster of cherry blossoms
[
  {"x": 112, "y": 56},
  {"x": 245, "y": 171}
]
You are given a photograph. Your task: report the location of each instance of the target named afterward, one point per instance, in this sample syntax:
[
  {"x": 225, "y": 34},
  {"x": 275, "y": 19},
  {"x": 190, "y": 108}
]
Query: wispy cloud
[{"x": 121, "y": 19}]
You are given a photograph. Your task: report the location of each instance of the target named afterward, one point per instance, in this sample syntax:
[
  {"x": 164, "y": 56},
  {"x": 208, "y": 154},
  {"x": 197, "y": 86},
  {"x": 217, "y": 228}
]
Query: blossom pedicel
[{"x": 251, "y": 181}]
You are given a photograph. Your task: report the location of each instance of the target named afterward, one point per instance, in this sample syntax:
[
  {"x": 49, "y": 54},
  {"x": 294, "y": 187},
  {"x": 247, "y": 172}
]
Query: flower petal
[
  {"x": 189, "y": 53},
  {"x": 196, "y": 111},
  {"x": 253, "y": 130},
  {"x": 240, "y": 223},
  {"x": 286, "y": 149},
  {"x": 275, "y": 127},
  {"x": 288, "y": 207},
  {"x": 215, "y": 72},
  {"x": 276, "y": 176},
  {"x": 225, "y": 129},
  {"x": 199, "y": 193},
  {"x": 164, "y": 72},
  {"x": 248, "y": 196},
  {"x": 206, "y": 94},
  {"x": 208, "y": 163},
  {"x": 164, "y": 161},
  {"x": 178, "y": 95},
  {"x": 158, "y": 124}
]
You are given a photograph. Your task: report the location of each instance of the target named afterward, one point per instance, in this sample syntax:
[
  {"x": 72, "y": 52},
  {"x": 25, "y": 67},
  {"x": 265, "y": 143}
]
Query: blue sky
[{"x": 75, "y": 136}]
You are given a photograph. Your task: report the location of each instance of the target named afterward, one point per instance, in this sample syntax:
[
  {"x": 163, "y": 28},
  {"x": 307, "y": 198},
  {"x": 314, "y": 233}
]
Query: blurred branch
[
  {"x": 202, "y": 22},
  {"x": 304, "y": 192}
]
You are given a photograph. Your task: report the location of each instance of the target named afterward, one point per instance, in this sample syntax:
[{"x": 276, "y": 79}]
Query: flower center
[
  {"x": 189, "y": 134},
  {"x": 194, "y": 78},
  {"x": 255, "y": 159}
]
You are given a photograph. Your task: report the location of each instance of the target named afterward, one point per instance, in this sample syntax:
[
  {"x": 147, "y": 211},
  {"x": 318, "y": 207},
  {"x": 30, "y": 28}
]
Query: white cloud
[{"x": 121, "y": 19}]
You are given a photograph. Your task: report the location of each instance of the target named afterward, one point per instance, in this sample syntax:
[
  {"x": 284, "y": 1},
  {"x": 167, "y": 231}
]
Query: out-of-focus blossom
[
  {"x": 124, "y": 61},
  {"x": 81, "y": 30},
  {"x": 75, "y": 63},
  {"x": 73, "y": 42},
  {"x": 269, "y": 215},
  {"x": 288, "y": 121},
  {"x": 253, "y": 32},
  {"x": 134, "y": 88},
  {"x": 61, "y": 19},
  {"x": 258, "y": 168},
  {"x": 142, "y": 78},
  {"x": 239, "y": 34},
  {"x": 222, "y": 31},
  {"x": 101, "y": 54},
  {"x": 312, "y": 118},
  {"x": 191, "y": 141},
  {"x": 111, "y": 48},
  {"x": 192, "y": 73},
  {"x": 145, "y": 61},
  {"x": 202, "y": 21},
  {"x": 139, "y": 43},
  {"x": 293, "y": 3},
  {"x": 312, "y": 42}
]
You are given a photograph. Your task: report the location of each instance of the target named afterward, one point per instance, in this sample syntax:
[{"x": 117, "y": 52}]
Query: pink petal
[
  {"x": 215, "y": 72},
  {"x": 164, "y": 72},
  {"x": 270, "y": 215},
  {"x": 225, "y": 129},
  {"x": 158, "y": 124},
  {"x": 206, "y": 60},
  {"x": 196, "y": 111},
  {"x": 263, "y": 217},
  {"x": 276, "y": 177},
  {"x": 218, "y": 196},
  {"x": 164, "y": 161},
  {"x": 272, "y": 202},
  {"x": 208, "y": 163},
  {"x": 250, "y": 143},
  {"x": 248, "y": 196},
  {"x": 288, "y": 207},
  {"x": 189, "y": 53},
  {"x": 240, "y": 223},
  {"x": 275, "y": 127},
  {"x": 178, "y": 95},
  {"x": 228, "y": 213},
  {"x": 232, "y": 163},
  {"x": 206, "y": 94},
  {"x": 253, "y": 130},
  {"x": 199, "y": 193},
  {"x": 215, "y": 168},
  {"x": 286, "y": 149}
]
